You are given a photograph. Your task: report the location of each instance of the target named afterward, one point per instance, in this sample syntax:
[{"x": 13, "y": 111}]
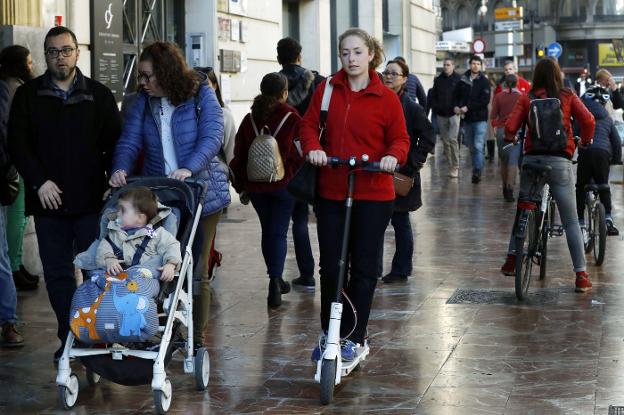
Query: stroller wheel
[
  {"x": 92, "y": 377},
  {"x": 68, "y": 395},
  {"x": 202, "y": 369},
  {"x": 162, "y": 398}
]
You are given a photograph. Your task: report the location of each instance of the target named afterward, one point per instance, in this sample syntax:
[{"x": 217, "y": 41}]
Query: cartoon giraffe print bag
[{"x": 116, "y": 309}]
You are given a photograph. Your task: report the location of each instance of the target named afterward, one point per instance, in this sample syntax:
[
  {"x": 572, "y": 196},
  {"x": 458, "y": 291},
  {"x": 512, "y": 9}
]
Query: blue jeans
[
  {"x": 474, "y": 137},
  {"x": 274, "y": 210},
  {"x": 301, "y": 238},
  {"x": 404, "y": 241},
  {"x": 8, "y": 296}
]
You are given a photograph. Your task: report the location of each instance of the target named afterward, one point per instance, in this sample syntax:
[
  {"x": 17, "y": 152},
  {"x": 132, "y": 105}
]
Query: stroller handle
[{"x": 191, "y": 181}]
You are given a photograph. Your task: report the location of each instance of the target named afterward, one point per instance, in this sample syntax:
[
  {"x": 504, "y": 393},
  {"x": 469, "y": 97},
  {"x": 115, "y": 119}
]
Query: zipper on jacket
[{"x": 344, "y": 127}]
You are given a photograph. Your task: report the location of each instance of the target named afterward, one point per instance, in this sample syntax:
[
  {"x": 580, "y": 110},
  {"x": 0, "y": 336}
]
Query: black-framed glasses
[
  {"x": 391, "y": 74},
  {"x": 54, "y": 52},
  {"x": 144, "y": 77}
]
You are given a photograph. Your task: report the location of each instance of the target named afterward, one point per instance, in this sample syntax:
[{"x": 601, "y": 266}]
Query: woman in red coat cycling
[
  {"x": 364, "y": 117},
  {"x": 548, "y": 83}
]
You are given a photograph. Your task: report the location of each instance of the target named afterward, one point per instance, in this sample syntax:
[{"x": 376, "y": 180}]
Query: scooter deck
[{"x": 361, "y": 354}]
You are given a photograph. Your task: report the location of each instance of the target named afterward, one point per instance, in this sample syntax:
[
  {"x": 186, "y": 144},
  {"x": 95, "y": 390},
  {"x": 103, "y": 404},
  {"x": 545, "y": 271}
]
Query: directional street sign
[{"x": 554, "y": 50}]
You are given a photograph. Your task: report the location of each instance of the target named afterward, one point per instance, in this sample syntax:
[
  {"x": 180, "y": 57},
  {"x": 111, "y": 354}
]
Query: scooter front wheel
[{"x": 328, "y": 380}]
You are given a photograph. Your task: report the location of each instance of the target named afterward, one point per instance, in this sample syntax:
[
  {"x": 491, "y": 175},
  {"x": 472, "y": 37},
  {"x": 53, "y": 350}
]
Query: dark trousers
[
  {"x": 274, "y": 210},
  {"x": 369, "y": 220},
  {"x": 59, "y": 239},
  {"x": 301, "y": 239},
  {"x": 404, "y": 241},
  {"x": 592, "y": 164}
]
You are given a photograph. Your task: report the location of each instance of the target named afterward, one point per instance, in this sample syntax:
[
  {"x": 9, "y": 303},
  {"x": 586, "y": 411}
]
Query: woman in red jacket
[
  {"x": 548, "y": 83},
  {"x": 271, "y": 200},
  {"x": 364, "y": 117}
]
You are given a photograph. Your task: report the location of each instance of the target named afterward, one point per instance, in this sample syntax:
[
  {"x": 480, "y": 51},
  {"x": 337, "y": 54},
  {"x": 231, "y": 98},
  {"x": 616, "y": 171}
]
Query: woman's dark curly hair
[
  {"x": 272, "y": 89},
  {"x": 14, "y": 63},
  {"x": 174, "y": 76}
]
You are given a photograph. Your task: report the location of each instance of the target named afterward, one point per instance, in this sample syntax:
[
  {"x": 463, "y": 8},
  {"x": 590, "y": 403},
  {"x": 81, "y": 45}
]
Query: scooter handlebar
[{"x": 363, "y": 163}]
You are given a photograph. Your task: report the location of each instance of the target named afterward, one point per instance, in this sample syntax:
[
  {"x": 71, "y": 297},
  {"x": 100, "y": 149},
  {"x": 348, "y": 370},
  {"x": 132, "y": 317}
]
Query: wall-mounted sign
[
  {"x": 106, "y": 44},
  {"x": 508, "y": 13},
  {"x": 238, "y": 7},
  {"x": 235, "y": 30},
  {"x": 230, "y": 60},
  {"x": 224, "y": 28}
]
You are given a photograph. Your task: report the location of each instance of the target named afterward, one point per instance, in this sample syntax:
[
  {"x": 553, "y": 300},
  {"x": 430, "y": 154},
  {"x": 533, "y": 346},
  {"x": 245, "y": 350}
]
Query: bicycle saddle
[{"x": 537, "y": 167}]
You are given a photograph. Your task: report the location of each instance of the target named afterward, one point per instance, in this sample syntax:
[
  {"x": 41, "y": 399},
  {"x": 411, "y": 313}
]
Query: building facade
[
  {"x": 236, "y": 37},
  {"x": 586, "y": 30}
]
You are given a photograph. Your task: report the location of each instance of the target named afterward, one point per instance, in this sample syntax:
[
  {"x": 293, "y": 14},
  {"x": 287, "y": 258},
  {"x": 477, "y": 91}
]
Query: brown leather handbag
[{"x": 402, "y": 184}]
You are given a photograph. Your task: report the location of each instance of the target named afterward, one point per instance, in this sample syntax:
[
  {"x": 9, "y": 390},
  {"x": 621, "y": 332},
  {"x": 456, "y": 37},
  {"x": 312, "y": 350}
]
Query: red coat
[
  {"x": 523, "y": 86},
  {"x": 370, "y": 122},
  {"x": 571, "y": 105},
  {"x": 285, "y": 140}
]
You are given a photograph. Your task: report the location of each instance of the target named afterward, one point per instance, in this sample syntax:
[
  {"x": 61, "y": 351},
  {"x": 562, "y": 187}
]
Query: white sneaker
[{"x": 454, "y": 173}]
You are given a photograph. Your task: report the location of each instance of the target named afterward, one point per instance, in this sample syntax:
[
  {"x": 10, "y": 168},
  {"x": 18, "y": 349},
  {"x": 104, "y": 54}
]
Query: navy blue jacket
[
  {"x": 606, "y": 137},
  {"x": 197, "y": 142},
  {"x": 415, "y": 90}
]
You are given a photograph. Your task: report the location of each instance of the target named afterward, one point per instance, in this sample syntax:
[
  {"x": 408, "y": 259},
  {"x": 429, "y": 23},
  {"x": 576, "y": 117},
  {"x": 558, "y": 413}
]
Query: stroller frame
[{"x": 177, "y": 306}]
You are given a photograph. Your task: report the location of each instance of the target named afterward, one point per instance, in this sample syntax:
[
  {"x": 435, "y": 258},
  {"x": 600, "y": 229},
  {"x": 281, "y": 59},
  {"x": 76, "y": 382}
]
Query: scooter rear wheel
[{"x": 328, "y": 380}]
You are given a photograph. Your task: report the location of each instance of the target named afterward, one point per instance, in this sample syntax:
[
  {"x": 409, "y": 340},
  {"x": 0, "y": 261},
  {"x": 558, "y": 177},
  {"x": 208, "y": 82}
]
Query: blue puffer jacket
[
  {"x": 606, "y": 137},
  {"x": 198, "y": 152}
]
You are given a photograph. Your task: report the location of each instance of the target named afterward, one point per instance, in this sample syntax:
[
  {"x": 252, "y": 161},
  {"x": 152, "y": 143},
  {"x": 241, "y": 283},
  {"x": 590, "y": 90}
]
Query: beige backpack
[{"x": 264, "y": 161}]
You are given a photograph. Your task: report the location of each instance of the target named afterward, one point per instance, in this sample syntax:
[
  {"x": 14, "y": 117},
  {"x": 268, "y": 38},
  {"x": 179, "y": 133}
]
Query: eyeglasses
[
  {"x": 143, "y": 77},
  {"x": 54, "y": 53},
  {"x": 391, "y": 74}
]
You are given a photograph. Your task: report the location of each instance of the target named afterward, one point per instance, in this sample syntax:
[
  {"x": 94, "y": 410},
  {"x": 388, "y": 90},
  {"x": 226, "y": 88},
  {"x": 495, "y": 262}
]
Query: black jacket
[
  {"x": 69, "y": 142},
  {"x": 442, "y": 98},
  {"x": 301, "y": 85},
  {"x": 474, "y": 94},
  {"x": 422, "y": 141},
  {"x": 606, "y": 137},
  {"x": 617, "y": 100}
]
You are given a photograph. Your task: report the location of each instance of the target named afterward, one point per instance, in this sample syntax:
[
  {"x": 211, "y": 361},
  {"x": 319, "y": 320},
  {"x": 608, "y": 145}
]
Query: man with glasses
[
  {"x": 442, "y": 106},
  {"x": 62, "y": 130}
]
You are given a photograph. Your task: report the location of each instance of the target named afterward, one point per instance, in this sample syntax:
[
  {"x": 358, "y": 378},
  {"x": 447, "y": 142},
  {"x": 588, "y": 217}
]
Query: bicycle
[
  {"x": 535, "y": 225},
  {"x": 595, "y": 233}
]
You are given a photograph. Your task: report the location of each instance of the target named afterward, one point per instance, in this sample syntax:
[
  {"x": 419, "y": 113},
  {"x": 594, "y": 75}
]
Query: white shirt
[{"x": 169, "y": 154}]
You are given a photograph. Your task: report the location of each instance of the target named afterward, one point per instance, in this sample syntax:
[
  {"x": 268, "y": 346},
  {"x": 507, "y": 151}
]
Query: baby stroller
[{"x": 145, "y": 362}]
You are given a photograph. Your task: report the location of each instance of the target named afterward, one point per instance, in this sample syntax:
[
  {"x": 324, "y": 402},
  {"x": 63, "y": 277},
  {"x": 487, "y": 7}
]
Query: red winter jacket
[
  {"x": 371, "y": 122},
  {"x": 571, "y": 105},
  {"x": 285, "y": 140},
  {"x": 523, "y": 86}
]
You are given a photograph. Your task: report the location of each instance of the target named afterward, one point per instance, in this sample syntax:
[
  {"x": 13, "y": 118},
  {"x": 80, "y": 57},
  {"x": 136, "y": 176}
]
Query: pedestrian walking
[
  {"x": 510, "y": 69},
  {"x": 422, "y": 140},
  {"x": 302, "y": 83},
  {"x": 176, "y": 122},
  {"x": 62, "y": 130},
  {"x": 443, "y": 108},
  {"x": 271, "y": 200},
  {"x": 472, "y": 96}
]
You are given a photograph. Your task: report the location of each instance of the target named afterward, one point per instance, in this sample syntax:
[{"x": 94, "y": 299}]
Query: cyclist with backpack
[
  {"x": 265, "y": 159},
  {"x": 593, "y": 162},
  {"x": 547, "y": 111}
]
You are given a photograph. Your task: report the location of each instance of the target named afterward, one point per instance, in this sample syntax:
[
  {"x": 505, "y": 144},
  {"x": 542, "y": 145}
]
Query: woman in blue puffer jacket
[{"x": 177, "y": 122}]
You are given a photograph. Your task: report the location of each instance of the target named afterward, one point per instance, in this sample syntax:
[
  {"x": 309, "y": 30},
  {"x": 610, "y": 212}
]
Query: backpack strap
[
  {"x": 136, "y": 259},
  {"x": 253, "y": 124},
  {"x": 118, "y": 252},
  {"x": 327, "y": 93},
  {"x": 281, "y": 124}
]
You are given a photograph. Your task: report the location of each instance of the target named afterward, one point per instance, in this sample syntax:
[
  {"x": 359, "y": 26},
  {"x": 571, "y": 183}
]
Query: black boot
[
  {"x": 22, "y": 284},
  {"x": 274, "y": 298},
  {"x": 284, "y": 286},
  {"x": 27, "y": 275}
]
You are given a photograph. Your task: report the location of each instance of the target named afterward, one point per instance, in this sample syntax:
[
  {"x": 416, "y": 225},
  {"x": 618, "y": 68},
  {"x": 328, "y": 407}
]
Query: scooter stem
[{"x": 342, "y": 266}]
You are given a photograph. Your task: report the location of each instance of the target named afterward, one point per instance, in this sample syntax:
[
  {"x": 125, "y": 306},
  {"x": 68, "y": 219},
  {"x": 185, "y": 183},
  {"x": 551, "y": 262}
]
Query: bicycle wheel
[
  {"x": 588, "y": 239},
  {"x": 600, "y": 233},
  {"x": 525, "y": 250}
]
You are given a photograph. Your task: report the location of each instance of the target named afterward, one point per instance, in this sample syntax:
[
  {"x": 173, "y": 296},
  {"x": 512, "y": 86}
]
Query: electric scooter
[{"x": 330, "y": 368}]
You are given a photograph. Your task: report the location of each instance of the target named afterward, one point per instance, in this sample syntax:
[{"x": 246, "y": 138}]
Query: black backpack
[{"x": 548, "y": 134}]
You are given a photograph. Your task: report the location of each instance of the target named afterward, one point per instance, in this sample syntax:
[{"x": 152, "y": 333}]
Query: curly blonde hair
[
  {"x": 174, "y": 76},
  {"x": 373, "y": 45}
]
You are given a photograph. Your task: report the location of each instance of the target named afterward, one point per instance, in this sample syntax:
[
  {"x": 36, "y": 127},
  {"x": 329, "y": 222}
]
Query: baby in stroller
[{"x": 116, "y": 303}]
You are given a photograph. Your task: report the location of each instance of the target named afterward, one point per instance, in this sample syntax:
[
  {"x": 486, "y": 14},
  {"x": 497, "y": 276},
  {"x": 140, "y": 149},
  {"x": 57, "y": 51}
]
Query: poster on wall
[
  {"x": 224, "y": 28},
  {"x": 607, "y": 55},
  {"x": 107, "y": 44},
  {"x": 238, "y": 7},
  {"x": 244, "y": 31}
]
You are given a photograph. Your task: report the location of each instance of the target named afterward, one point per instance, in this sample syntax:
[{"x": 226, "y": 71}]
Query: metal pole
[{"x": 532, "y": 17}]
